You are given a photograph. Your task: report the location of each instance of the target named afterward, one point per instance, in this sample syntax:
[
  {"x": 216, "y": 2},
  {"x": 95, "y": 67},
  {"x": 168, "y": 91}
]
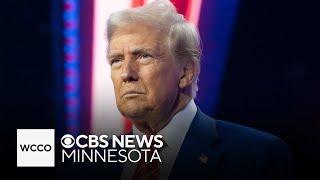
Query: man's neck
[{"x": 153, "y": 125}]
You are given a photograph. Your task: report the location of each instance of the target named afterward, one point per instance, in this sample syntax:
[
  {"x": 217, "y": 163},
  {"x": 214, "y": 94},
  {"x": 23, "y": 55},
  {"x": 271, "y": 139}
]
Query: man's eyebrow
[
  {"x": 134, "y": 51},
  {"x": 140, "y": 50},
  {"x": 114, "y": 54}
]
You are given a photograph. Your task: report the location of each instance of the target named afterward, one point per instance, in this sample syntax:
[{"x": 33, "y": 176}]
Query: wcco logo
[{"x": 35, "y": 148}]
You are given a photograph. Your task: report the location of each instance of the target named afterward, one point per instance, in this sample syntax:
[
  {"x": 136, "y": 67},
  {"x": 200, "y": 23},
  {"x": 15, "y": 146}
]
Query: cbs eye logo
[{"x": 67, "y": 141}]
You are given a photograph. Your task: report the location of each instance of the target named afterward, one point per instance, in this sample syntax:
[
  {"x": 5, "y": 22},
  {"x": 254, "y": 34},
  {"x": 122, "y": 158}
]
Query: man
[{"x": 154, "y": 56}]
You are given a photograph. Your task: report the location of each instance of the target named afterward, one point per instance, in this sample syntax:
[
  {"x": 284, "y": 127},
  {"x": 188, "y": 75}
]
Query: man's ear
[{"x": 188, "y": 71}]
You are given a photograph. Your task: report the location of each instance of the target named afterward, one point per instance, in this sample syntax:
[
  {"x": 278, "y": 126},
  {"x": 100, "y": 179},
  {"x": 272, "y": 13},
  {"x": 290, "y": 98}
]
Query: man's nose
[{"x": 129, "y": 72}]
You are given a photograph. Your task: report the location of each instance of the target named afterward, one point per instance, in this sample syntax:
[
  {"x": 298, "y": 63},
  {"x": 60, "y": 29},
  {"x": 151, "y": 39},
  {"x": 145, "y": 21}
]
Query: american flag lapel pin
[{"x": 203, "y": 158}]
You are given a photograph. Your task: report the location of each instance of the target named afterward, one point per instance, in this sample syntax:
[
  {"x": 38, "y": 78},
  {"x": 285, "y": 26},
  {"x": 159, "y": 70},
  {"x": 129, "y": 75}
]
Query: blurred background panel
[
  {"x": 259, "y": 68},
  {"x": 27, "y": 78}
]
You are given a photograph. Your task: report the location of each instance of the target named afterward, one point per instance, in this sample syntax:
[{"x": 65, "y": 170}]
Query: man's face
[{"x": 144, "y": 73}]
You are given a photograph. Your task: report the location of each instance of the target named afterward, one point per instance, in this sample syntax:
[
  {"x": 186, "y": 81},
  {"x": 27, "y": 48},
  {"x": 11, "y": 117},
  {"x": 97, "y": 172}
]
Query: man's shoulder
[
  {"x": 229, "y": 131},
  {"x": 236, "y": 150},
  {"x": 234, "y": 136}
]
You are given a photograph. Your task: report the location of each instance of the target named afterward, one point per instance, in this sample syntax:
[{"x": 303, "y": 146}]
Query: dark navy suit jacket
[
  {"x": 218, "y": 150},
  {"x": 215, "y": 149}
]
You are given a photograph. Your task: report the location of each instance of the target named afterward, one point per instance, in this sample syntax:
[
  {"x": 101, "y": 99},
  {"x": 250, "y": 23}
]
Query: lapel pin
[{"x": 203, "y": 158}]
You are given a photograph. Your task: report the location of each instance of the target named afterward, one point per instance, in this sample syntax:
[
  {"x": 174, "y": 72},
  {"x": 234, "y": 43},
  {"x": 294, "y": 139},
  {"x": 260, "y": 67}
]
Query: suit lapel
[{"x": 198, "y": 154}]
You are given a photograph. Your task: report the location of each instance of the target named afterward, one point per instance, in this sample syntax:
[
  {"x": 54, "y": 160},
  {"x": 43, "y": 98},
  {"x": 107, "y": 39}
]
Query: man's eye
[
  {"x": 145, "y": 58},
  {"x": 145, "y": 55},
  {"x": 115, "y": 62}
]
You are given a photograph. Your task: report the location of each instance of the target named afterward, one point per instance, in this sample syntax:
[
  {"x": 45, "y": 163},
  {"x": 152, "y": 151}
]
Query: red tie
[{"x": 148, "y": 170}]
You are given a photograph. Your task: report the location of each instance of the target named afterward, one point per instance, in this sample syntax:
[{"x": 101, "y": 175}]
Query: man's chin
[{"x": 133, "y": 112}]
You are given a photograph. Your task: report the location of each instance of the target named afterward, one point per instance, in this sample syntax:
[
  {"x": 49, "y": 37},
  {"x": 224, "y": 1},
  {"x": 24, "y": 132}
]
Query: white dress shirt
[{"x": 173, "y": 134}]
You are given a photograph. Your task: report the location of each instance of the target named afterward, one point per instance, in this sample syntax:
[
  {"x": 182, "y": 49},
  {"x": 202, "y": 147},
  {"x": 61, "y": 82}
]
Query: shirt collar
[{"x": 175, "y": 131}]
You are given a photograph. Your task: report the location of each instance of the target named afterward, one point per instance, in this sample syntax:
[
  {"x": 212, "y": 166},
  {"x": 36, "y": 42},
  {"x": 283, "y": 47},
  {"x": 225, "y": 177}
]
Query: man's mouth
[{"x": 130, "y": 94}]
